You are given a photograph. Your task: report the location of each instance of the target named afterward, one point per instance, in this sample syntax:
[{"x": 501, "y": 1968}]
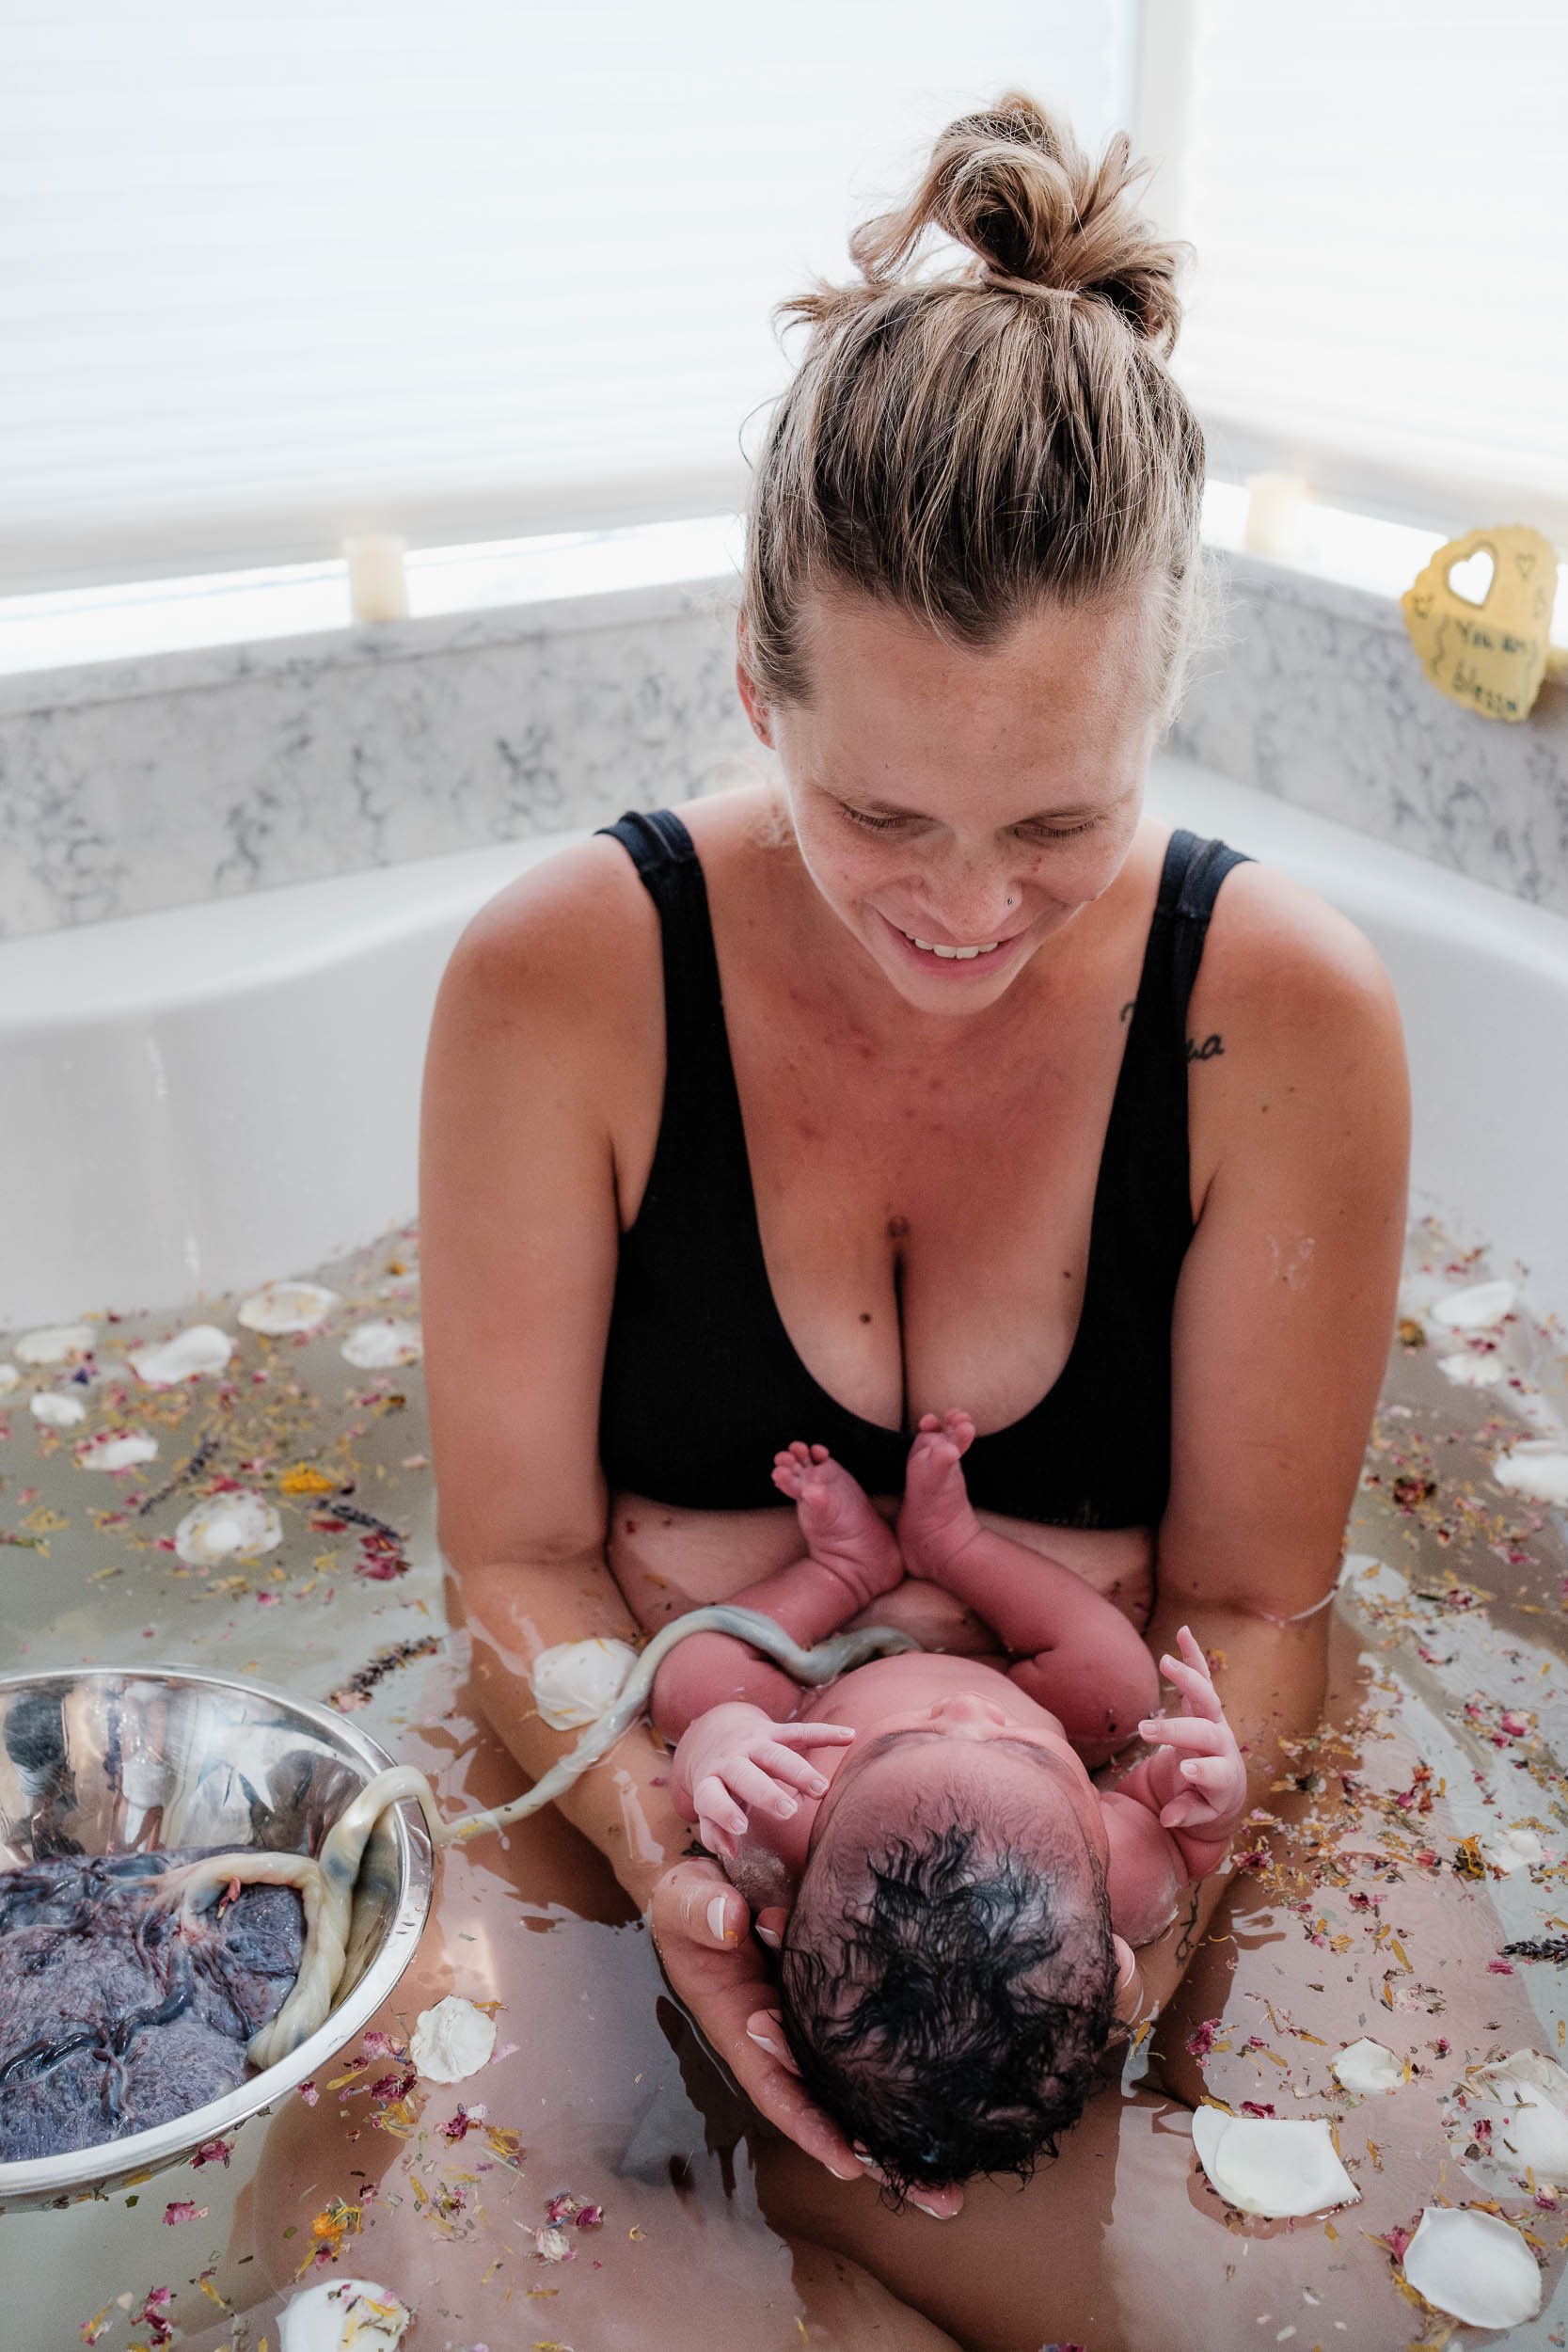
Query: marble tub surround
[
  {"x": 128, "y": 786},
  {"x": 1319, "y": 699}
]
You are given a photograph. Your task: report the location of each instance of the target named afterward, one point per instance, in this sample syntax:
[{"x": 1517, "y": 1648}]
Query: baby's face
[{"x": 960, "y": 1745}]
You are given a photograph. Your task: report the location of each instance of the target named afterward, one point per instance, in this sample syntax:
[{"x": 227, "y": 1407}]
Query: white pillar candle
[
  {"x": 1275, "y": 507},
  {"x": 377, "y": 581}
]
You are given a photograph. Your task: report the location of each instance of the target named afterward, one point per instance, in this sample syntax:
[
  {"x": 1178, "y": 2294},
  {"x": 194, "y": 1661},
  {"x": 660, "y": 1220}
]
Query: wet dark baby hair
[{"x": 946, "y": 1997}]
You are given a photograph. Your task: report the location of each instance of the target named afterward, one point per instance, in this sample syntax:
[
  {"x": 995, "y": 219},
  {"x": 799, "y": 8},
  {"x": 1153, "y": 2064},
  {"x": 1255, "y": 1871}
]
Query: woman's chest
[{"x": 925, "y": 1230}]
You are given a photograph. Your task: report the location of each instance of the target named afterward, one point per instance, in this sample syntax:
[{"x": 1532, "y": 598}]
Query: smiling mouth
[{"x": 950, "y": 955}]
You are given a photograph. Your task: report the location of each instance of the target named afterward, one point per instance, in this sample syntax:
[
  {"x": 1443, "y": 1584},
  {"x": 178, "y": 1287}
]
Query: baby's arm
[
  {"x": 1074, "y": 1651},
  {"x": 1195, "y": 1784},
  {"x": 853, "y": 1558}
]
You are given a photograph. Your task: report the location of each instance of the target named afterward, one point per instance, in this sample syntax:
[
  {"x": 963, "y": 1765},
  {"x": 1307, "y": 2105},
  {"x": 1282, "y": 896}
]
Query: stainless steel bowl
[{"x": 111, "y": 1761}]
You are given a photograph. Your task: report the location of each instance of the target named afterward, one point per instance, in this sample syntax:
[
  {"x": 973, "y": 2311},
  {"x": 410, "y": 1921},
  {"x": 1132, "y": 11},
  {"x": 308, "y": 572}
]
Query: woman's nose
[{"x": 963, "y": 1709}]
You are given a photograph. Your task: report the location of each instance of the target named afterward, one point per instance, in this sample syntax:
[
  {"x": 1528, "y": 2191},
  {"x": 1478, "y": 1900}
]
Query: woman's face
[{"x": 949, "y": 800}]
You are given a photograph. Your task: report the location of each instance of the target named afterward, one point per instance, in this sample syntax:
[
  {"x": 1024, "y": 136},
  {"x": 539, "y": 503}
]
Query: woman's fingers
[
  {"x": 723, "y": 1989},
  {"x": 1208, "y": 1771}
]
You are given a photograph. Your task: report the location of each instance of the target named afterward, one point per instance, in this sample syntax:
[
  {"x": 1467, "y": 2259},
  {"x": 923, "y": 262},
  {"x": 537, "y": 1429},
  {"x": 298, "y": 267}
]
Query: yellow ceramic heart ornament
[{"x": 1490, "y": 655}]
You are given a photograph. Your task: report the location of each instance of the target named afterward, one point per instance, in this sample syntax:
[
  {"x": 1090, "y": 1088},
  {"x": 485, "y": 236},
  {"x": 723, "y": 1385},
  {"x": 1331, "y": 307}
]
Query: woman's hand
[
  {"x": 718, "y": 1972},
  {"x": 733, "y": 1759}
]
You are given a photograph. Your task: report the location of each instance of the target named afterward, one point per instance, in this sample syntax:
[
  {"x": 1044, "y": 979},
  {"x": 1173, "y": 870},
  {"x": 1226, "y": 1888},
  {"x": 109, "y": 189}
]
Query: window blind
[
  {"x": 1378, "y": 202},
  {"x": 276, "y": 271}
]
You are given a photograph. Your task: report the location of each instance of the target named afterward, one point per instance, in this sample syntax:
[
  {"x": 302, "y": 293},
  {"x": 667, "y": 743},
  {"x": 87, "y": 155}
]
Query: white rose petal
[
  {"x": 1472, "y": 1371},
  {"x": 1513, "y": 1848},
  {"x": 576, "y": 1683},
  {"x": 386, "y": 1341},
  {"x": 343, "y": 2316},
  {"x": 1530, "y": 2119},
  {"x": 200, "y": 1347},
  {"x": 1275, "y": 2168},
  {"x": 228, "y": 1527},
  {"x": 115, "y": 1449},
  {"x": 280, "y": 1306},
  {"x": 1473, "y": 2267},
  {"x": 56, "y": 1343},
  {"x": 1536, "y": 1469},
  {"x": 8, "y": 1378},
  {"x": 1366, "y": 2066},
  {"x": 451, "y": 2040},
  {"x": 57, "y": 1408},
  {"x": 1476, "y": 1307}
]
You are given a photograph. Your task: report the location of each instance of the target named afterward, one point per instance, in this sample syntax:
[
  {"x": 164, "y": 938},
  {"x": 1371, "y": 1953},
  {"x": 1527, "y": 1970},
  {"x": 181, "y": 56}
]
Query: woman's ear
[{"x": 745, "y": 686}]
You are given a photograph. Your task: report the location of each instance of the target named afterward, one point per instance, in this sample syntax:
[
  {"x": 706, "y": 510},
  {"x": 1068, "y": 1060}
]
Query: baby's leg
[
  {"x": 853, "y": 1558},
  {"x": 1074, "y": 1652}
]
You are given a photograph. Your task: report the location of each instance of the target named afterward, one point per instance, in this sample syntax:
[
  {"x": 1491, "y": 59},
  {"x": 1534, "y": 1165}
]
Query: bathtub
[
  {"x": 206, "y": 1098},
  {"x": 200, "y": 1097}
]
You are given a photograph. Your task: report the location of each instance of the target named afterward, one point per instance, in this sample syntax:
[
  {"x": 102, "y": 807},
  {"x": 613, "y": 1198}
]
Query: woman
[{"x": 943, "y": 1078}]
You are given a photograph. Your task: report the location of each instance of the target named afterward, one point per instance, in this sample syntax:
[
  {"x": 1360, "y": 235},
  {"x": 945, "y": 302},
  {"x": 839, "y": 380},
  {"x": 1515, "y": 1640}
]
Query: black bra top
[{"x": 701, "y": 1384}]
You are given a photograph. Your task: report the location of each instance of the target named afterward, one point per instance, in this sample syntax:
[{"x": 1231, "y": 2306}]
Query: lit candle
[
  {"x": 1273, "y": 513},
  {"x": 377, "y": 582}
]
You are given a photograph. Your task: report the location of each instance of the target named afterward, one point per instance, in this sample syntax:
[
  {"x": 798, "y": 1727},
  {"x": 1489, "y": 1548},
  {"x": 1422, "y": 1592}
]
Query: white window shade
[
  {"x": 1378, "y": 200},
  {"x": 276, "y": 271}
]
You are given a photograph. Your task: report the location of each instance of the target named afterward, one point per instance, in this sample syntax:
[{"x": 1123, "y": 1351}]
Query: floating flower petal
[
  {"x": 1537, "y": 1469},
  {"x": 56, "y": 1344},
  {"x": 1277, "y": 2169},
  {"x": 1530, "y": 2121},
  {"x": 236, "y": 1526},
  {"x": 1473, "y": 2267},
  {"x": 8, "y": 1378},
  {"x": 115, "y": 1449},
  {"x": 201, "y": 1347},
  {"x": 576, "y": 1683},
  {"x": 57, "y": 1408},
  {"x": 1472, "y": 1371},
  {"x": 1476, "y": 1307},
  {"x": 343, "y": 2316},
  {"x": 451, "y": 2040},
  {"x": 1513, "y": 1849},
  {"x": 1366, "y": 2066},
  {"x": 386, "y": 1341},
  {"x": 280, "y": 1306}
]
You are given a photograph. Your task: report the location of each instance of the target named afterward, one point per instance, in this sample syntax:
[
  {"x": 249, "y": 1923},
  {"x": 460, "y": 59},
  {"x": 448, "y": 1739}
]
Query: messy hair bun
[
  {"x": 1013, "y": 184},
  {"x": 969, "y": 443}
]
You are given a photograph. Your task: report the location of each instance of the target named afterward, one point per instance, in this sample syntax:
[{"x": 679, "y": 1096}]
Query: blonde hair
[{"x": 969, "y": 447}]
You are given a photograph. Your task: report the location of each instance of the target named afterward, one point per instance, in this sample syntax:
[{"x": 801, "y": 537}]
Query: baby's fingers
[
  {"x": 789, "y": 1770},
  {"x": 1212, "y": 1771},
  {"x": 716, "y": 1805},
  {"x": 1183, "y": 1812},
  {"x": 1179, "y": 1731},
  {"x": 1195, "y": 1686}
]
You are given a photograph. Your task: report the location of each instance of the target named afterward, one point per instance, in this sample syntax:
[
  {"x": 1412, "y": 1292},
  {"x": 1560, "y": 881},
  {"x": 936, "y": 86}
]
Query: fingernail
[
  {"x": 716, "y": 1920},
  {"x": 771, "y": 1937},
  {"x": 764, "y": 2042},
  {"x": 844, "y": 2176},
  {"x": 786, "y": 1806},
  {"x": 934, "y": 2213}
]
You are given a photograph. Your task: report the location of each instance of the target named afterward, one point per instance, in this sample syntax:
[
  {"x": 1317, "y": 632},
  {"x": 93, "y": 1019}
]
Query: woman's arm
[
  {"x": 1283, "y": 1315},
  {"x": 532, "y": 1049}
]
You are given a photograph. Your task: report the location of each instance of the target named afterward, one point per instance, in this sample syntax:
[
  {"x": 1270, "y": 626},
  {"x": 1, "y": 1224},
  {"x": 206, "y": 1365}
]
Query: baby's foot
[
  {"x": 936, "y": 1520},
  {"x": 842, "y": 1532}
]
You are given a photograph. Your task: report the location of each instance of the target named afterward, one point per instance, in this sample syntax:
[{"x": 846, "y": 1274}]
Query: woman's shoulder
[{"x": 1277, "y": 953}]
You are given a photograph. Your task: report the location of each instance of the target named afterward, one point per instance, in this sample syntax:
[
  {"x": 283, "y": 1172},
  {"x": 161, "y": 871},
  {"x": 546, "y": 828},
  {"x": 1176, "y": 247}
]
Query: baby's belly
[{"x": 668, "y": 1560}]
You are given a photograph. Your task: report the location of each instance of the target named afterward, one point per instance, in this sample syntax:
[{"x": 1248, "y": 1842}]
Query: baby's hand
[
  {"x": 1198, "y": 1773},
  {"x": 733, "y": 1760}
]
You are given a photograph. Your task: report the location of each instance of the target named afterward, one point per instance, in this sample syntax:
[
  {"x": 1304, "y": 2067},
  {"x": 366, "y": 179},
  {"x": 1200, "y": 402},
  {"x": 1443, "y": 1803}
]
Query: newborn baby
[{"x": 962, "y": 1900}]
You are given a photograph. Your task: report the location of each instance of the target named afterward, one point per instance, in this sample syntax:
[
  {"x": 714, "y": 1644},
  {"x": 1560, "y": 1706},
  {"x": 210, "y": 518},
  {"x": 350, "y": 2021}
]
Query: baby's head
[{"x": 948, "y": 1971}]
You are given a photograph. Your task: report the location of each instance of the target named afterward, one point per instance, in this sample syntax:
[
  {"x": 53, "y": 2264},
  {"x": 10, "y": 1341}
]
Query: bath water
[{"x": 599, "y": 2183}]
